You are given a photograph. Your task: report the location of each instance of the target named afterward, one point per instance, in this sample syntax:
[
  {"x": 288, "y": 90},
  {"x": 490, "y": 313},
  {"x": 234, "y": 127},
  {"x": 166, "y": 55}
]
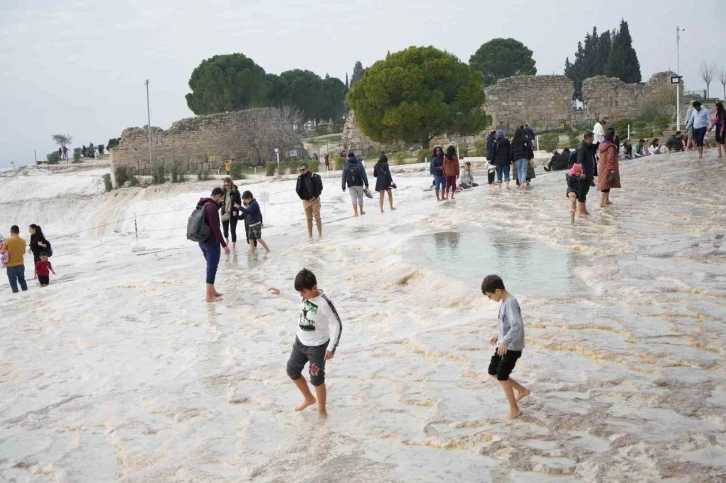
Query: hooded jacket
[
  {"x": 586, "y": 159},
  {"x": 211, "y": 216},
  {"x": 491, "y": 144},
  {"x": 309, "y": 186},
  {"x": 354, "y": 164},
  {"x": 502, "y": 152}
]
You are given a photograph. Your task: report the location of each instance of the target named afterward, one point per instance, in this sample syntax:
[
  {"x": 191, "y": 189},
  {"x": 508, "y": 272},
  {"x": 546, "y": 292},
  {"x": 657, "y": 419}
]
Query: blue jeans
[
  {"x": 212, "y": 252},
  {"x": 15, "y": 275},
  {"x": 522, "y": 165},
  {"x": 440, "y": 182},
  {"x": 502, "y": 169},
  {"x": 698, "y": 135}
]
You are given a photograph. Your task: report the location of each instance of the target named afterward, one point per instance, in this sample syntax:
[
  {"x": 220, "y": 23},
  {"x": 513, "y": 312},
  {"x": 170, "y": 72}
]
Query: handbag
[
  {"x": 613, "y": 177},
  {"x": 532, "y": 164}
]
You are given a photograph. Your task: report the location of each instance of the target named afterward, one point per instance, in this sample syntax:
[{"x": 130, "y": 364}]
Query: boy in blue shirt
[
  {"x": 509, "y": 342},
  {"x": 254, "y": 217}
]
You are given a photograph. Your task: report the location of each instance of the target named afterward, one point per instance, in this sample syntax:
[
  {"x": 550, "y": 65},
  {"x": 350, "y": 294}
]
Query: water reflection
[{"x": 526, "y": 265}]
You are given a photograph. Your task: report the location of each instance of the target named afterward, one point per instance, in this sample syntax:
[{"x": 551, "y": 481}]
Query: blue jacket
[
  {"x": 491, "y": 144},
  {"x": 437, "y": 166},
  {"x": 254, "y": 215},
  {"x": 354, "y": 164}
]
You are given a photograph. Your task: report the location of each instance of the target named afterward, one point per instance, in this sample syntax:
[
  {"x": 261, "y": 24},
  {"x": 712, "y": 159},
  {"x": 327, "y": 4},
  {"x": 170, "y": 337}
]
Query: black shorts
[
  {"x": 44, "y": 279},
  {"x": 503, "y": 366},
  {"x": 301, "y": 355}
]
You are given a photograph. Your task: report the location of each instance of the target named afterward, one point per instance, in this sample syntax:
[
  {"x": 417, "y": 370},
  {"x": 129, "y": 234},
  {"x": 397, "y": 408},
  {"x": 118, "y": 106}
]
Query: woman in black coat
[
  {"x": 384, "y": 181},
  {"x": 231, "y": 201},
  {"x": 38, "y": 243}
]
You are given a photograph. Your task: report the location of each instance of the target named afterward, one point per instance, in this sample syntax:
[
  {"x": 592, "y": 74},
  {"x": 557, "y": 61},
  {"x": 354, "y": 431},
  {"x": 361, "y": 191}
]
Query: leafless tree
[
  {"x": 707, "y": 71},
  {"x": 722, "y": 80},
  {"x": 264, "y": 129}
]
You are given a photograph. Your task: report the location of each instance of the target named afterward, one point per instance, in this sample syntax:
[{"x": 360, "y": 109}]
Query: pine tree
[
  {"x": 623, "y": 62},
  {"x": 347, "y": 86},
  {"x": 602, "y": 55}
]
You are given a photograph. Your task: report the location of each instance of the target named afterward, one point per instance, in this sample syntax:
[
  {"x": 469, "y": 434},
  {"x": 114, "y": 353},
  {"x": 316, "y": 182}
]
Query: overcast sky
[{"x": 78, "y": 66}]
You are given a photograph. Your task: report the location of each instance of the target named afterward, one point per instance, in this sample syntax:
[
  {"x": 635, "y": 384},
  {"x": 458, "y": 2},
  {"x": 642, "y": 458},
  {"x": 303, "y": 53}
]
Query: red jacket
[
  {"x": 42, "y": 268},
  {"x": 211, "y": 216},
  {"x": 451, "y": 166}
]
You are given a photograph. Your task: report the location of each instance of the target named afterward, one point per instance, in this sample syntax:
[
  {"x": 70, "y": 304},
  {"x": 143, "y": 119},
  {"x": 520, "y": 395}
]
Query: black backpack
[
  {"x": 573, "y": 158},
  {"x": 48, "y": 249},
  {"x": 197, "y": 228},
  {"x": 354, "y": 178}
]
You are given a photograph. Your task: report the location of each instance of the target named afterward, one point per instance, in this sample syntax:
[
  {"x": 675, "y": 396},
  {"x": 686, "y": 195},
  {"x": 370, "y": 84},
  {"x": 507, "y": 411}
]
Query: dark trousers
[
  {"x": 212, "y": 252},
  {"x": 16, "y": 275},
  {"x": 226, "y": 225}
]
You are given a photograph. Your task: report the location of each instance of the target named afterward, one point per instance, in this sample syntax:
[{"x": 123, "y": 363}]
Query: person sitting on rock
[
  {"x": 559, "y": 161},
  {"x": 675, "y": 142}
]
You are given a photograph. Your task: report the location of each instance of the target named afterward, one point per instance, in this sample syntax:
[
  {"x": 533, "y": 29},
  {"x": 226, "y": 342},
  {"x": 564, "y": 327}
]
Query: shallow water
[
  {"x": 528, "y": 265},
  {"x": 119, "y": 372}
]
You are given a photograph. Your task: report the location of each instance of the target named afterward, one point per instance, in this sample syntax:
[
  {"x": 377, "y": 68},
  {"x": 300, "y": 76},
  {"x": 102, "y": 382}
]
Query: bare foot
[
  {"x": 355, "y": 215},
  {"x": 393, "y": 209},
  {"x": 217, "y": 294},
  {"x": 523, "y": 394},
  {"x": 382, "y": 211},
  {"x": 322, "y": 415},
  {"x": 362, "y": 212},
  {"x": 215, "y": 299},
  {"x": 514, "y": 415},
  {"x": 306, "y": 403}
]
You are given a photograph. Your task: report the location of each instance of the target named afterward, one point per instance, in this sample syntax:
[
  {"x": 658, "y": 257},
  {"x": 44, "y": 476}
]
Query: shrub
[
  {"x": 293, "y": 167},
  {"x": 423, "y": 155},
  {"x": 76, "y": 155},
  {"x": 340, "y": 163},
  {"x": 101, "y": 147},
  {"x": 480, "y": 148},
  {"x": 107, "y": 182},
  {"x": 399, "y": 157},
  {"x": 661, "y": 122},
  {"x": 270, "y": 168},
  {"x": 203, "y": 174},
  {"x": 235, "y": 171},
  {"x": 158, "y": 173},
  {"x": 314, "y": 165},
  {"x": 574, "y": 138},
  {"x": 121, "y": 175},
  {"x": 548, "y": 142},
  {"x": 621, "y": 126},
  {"x": 131, "y": 177},
  {"x": 112, "y": 143},
  {"x": 53, "y": 158},
  {"x": 176, "y": 172},
  {"x": 463, "y": 150},
  {"x": 282, "y": 168},
  {"x": 322, "y": 130}
]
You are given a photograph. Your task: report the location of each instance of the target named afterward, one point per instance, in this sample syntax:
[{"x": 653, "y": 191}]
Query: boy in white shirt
[{"x": 318, "y": 335}]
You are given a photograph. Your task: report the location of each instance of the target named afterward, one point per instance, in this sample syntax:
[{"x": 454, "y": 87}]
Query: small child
[
  {"x": 575, "y": 178},
  {"x": 510, "y": 342},
  {"x": 467, "y": 178},
  {"x": 43, "y": 269},
  {"x": 318, "y": 335},
  {"x": 254, "y": 217}
]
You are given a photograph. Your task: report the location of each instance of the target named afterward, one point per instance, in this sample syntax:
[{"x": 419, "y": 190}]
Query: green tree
[
  {"x": 300, "y": 88},
  {"x": 502, "y": 58},
  {"x": 227, "y": 83},
  {"x": 62, "y": 139},
  {"x": 416, "y": 94},
  {"x": 112, "y": 143},
  {"x": 623, "y": 60},
  {"x": 358, "y": 72},
  {"x": 332, "y": 102}
]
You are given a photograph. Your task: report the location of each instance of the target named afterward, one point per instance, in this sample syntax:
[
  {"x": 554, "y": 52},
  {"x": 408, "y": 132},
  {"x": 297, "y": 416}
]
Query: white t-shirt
[
  {"x": 599, "y": 133},
  {"x": 319, "y": 322}
]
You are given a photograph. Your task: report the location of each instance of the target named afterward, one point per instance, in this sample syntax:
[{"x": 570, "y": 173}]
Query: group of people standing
[{"x": 12, "y": 255}]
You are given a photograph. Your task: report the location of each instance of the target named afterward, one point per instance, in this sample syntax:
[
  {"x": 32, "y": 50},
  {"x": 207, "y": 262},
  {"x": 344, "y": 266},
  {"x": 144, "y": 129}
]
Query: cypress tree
[{"x": 623, "y": 62}]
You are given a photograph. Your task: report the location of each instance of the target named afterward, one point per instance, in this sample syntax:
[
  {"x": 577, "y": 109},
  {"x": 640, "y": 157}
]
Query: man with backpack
[
  {"x": 354, "y": 175},
  {"x": 203, "y": 227},
  {"x": 309, "y": 187}
]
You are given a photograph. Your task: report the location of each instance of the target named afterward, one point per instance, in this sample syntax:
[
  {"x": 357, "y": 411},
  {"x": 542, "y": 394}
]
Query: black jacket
[
  {"x": 309, "y": 186},
  {"x": 586, "y": 159},
  {"x": 502, "y": 152},
  {"x": 491, "y": 144},
  {"x": 236, "y": 198},
  {"x": 520, "y": 151}
]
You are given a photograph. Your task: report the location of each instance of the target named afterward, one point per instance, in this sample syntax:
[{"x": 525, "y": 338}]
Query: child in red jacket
[{"x": 43, "y": 269}]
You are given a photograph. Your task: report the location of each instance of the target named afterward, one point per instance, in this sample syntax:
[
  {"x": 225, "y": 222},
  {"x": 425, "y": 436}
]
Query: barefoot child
[
  {"x": 509, "y": 342},
  {"x": 575, "y": 182},
  {"x": 317, "y": 337},
  {"x": 43, "y": 269},
  {"x": 254, "y": 217}
]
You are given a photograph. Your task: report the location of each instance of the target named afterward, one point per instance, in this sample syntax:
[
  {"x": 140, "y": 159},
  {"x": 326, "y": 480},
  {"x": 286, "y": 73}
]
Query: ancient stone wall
[
  {"x": 354, "y": 139},
  {"x": 609, "y": 97},
  {"x": 543, "y": 102},
  {"x": 193, "y": 143}
]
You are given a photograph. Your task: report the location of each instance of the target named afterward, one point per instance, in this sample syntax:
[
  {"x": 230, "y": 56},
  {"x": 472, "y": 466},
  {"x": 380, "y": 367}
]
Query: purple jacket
[{"x": 211, "y": 216}]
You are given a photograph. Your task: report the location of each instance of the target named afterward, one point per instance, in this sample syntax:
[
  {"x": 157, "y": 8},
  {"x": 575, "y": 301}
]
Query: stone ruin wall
[
  {"x": 354, "y": 140},
  {"x": 190, "y": 142},
  {"x": 544, "y": 102}
]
